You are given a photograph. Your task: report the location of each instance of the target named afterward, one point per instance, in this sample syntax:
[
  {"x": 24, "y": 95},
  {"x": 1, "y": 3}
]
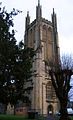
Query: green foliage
[{"x": 15, "y": 60}]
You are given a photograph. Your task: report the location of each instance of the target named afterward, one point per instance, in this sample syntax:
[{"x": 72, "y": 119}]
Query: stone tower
[{"x": 42, "y": 35}]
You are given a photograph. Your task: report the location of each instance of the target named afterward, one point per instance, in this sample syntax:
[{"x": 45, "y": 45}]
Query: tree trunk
[
  {"x": 5, "y": 108},
  {"x": 63, "y": 110}
]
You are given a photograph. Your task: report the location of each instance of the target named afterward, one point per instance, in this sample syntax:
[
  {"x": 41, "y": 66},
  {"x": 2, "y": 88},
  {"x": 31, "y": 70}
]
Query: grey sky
[{"x": 63, "y": 9}]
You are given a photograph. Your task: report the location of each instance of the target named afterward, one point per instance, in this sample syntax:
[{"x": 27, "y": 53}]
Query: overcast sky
[{"x": 63, "y": 9}]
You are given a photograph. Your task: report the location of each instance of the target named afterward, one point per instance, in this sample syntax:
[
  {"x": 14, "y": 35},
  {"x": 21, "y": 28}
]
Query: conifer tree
[{"x": 15, "y": 60}]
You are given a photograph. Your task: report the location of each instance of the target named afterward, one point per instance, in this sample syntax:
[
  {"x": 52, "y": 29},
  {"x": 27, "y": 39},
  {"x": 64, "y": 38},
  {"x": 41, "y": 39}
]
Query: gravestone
[{"x": 10, "y": 109}]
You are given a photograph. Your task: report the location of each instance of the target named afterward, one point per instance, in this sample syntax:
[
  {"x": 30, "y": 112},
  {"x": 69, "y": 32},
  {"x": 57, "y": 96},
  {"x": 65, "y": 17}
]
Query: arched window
[
  {"x": 44, "y": 27},
  {"x": 50, "y": 29},
  {"x": 49, "y": 91}
]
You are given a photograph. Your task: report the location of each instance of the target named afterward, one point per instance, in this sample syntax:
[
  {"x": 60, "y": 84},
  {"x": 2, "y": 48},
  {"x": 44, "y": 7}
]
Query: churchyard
[
  {"x": 21, "y": 114},
  {"x": 14, "y": 117}
]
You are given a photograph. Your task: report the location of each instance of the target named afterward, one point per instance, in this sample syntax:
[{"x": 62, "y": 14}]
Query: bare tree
[{"x": 60, "y": 77}]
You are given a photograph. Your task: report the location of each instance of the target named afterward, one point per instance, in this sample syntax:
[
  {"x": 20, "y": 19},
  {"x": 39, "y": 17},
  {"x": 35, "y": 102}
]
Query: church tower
[{"x": 42, "y": 36}]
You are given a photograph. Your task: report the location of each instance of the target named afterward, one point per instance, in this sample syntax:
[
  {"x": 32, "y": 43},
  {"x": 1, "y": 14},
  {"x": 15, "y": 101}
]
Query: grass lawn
[
  {"x": 12, "y": 117},
  {"x": 71, "y": 117},
  {"x": 57, "y": 118}
]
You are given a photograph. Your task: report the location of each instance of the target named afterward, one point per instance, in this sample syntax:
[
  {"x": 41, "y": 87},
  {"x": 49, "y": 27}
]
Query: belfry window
[
  {"x": 50, "y": 29},
  {"x": 44, "y": 27}
]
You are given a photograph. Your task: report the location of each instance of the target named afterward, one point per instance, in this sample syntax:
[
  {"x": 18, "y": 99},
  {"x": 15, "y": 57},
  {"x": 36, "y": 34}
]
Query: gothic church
[{"x": 42, "y": 36}]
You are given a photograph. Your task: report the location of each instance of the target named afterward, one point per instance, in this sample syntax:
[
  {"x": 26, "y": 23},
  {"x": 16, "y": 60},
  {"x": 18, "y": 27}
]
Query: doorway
[{"x": 50, "y": 109}]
